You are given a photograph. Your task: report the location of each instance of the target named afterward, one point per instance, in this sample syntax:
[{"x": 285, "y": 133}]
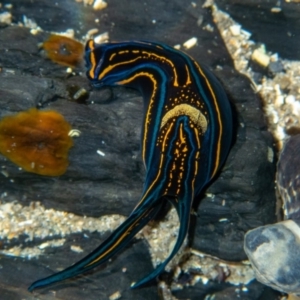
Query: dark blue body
[{"x": 186, "y": 136}]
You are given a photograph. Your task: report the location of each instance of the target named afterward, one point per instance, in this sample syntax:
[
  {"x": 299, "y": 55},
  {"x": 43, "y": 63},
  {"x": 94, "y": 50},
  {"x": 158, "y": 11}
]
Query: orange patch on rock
[
  {"x": 37, "y": 141},
  {"x": 63, "y": 50}
]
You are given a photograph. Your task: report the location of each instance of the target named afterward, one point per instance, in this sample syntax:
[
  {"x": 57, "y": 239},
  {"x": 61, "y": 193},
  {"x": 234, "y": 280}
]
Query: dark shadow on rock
[{"x": 242, "y": 197}]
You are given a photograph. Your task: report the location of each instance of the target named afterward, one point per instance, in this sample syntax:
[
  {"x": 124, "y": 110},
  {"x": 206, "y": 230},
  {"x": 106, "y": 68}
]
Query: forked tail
[
  {"x": 183, "y": 207},
  {"x": 141, "y": 215}
]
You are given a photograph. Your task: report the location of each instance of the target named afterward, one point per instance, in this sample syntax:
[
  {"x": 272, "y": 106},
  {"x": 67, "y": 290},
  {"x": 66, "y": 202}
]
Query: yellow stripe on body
[
  {"x": 123, "y": 52},
  {"x": 164, "y": 145},
  {"x": 217, "y": 160},
  {"x": 198, "y": 152},
  {"x": 111, "y": 67},
  {"x": 196, "y": 159},
  {"x": 163, "y": 59},
  {"x": 150, "y": 54},
  {"x": 188, "y": 79},
  {"x": 188, "y": 110},
  {"x": 112, "y": 56},
  {"x": 177, "y": 153},
  {"x": 91, "y": 45},
  {"x": 151, "y": 103},
  {"x": 116, "y": 243}
]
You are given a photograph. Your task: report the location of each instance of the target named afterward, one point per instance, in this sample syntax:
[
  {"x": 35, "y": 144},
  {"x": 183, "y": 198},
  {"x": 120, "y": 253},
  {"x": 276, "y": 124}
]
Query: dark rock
[
  {"x": 288, "y": 181},
  {"x": 278, "y": 31},
  {"x": 117, "y": 275},
  {"x": 274, "y": 249},
  {"x": 95, "y": 185},
  {"x": 224, "y": 291},
  {"x": 275, "y": 257},
  {"x": 275, "y": 67},
  {"x": 242, "y": 197}
]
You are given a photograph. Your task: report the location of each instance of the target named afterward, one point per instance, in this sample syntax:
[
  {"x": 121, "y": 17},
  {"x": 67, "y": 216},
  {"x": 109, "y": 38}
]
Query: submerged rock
[
  {"x": 288, "y": 178},
  {"x": 274, "y": 252}
]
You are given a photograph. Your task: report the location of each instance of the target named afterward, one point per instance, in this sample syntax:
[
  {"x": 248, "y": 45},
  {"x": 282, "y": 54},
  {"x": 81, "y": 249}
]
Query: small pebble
[
  {"x": 261, "y": 58},
  {"x": 190, "y": 43}
]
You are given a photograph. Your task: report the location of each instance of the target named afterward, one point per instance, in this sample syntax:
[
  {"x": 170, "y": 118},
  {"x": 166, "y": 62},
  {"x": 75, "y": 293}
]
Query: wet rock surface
[
  {"x": 287, "y": 178},
  {"x": 227, "y": 292},
  {"x": 274, "y": 249},
  {"x": 245, "y": 186},
  {"x": 241, "y": 198},
  {"x": 114, "y": 276},
  {"x": 274, "y": 253},
  {"x": 277, "y": 30}
]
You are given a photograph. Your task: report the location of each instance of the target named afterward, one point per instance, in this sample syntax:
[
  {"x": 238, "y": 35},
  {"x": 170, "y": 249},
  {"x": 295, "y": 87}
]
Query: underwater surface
[{"x": 48, "y": 221}]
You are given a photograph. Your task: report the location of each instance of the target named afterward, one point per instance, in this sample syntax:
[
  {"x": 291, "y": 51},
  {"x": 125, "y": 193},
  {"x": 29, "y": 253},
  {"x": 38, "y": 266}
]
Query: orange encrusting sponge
[
  {"x": 37, "y": 141},
  {"x": 63, "y": 50}
]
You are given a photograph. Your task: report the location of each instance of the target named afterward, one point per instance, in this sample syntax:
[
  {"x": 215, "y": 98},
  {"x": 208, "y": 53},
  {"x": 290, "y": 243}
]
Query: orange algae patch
[
  {"x": 63, "y": 50},
  {"x": 37, "y": 141}
]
